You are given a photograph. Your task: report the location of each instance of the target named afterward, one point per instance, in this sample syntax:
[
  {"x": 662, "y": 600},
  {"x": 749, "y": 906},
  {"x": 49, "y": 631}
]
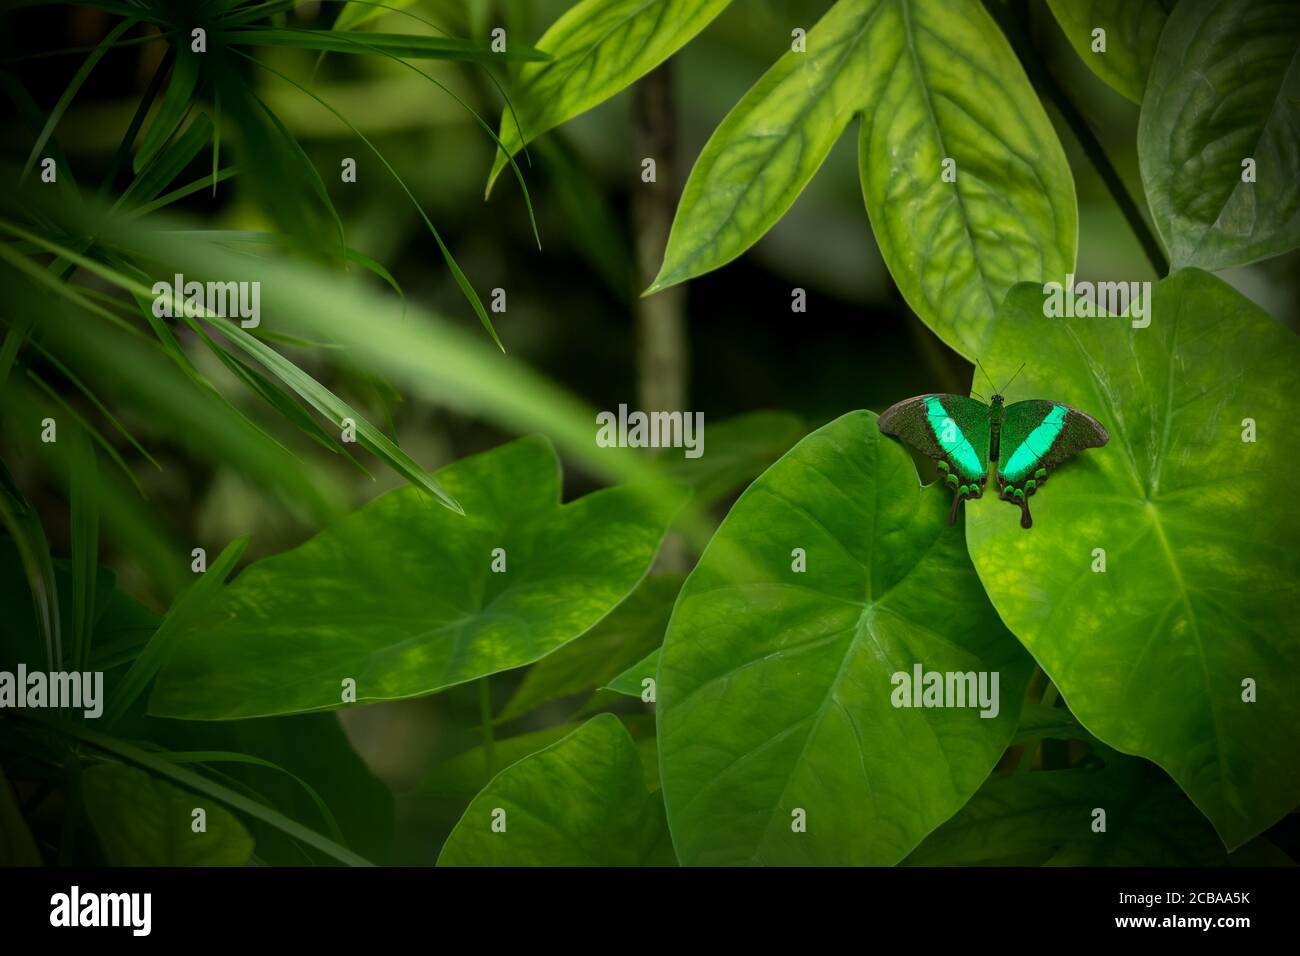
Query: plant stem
[
  {"x": 1014, "y": 20},
  {"x": 485, "y": 715},
  {"x": 662, "y": 349}
]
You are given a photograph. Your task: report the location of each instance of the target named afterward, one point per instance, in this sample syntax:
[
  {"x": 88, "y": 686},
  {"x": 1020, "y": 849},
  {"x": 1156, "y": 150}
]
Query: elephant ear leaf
[
  {"x": 1217, "y": 136},
  {"x": 515, "y": 578},
  {"x": 789, "y": 731},
  {"x": 1158, "y": 586}
]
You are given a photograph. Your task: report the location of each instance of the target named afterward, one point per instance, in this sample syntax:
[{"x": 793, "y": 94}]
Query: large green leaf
[
  {"x": 1199, "y": 531},
  {"x": 143, "y": 821},
  {"x": 580, "y": 802},
  {"x": 1224, "y": 89},
  {"x": 766, "y": 150},
  {"x": 630, "y": 631},
  {"x": 950, "y": 87},
  {"x": 598, "y": 47},
  {"x": 775, "y": 686},
  {"x": 401, "y": 596},
  {"x": 935, "y": 81},
  {"x": 1132, "y": 30},
  {"x": 1048, "y": 818}
]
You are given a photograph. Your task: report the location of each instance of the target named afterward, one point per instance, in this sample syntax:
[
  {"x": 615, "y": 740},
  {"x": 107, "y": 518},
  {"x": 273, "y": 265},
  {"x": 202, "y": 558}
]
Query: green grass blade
[
  {"x": 198, "y": 783},
  {"x": 75, "y": 84},
  {"x": 24, "y": 526},
  {"x": 183, "y": 613},
  {"x": 85, "y": 545},
  {"x": 175, "y": 104},
  {"x": 461, "y": 280}
]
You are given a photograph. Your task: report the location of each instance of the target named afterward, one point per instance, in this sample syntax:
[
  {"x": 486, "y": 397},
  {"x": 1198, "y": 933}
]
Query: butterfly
[{"x": 1024, "y": 440}]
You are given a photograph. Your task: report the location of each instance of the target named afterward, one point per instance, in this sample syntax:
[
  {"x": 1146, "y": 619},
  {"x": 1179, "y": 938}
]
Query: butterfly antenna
[
  {"x": 1013, "y": 378},
  {"x": 986, "y": 374}
]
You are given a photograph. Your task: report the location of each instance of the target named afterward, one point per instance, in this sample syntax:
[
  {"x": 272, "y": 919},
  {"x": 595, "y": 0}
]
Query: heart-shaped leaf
[
  {"x": 143, "y": 821},
  {"x": 1051, "y": 818},
  {"x": 597, "y": 48},
  {"x": 1157, "y": 587},
  {"x": 780, "y": 741},
  {"x": 1217, "y": 137},
  {"x": 1122, "y": 53},
  {"x": 405, "y": 598},
  {"x": 580, "y": 802},
  {"x": 967, "y": 185}
]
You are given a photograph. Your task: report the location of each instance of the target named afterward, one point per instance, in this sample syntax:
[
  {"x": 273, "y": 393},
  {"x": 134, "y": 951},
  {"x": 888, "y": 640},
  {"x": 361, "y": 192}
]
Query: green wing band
[
  {"x": 1026, "y": 456},
  {"x": 952, "y": 439}
]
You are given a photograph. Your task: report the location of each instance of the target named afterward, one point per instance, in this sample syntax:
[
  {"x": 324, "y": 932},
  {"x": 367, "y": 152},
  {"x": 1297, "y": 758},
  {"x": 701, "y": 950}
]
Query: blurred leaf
[
  {"x": 1132, "y": 30},
  {"x": 293, "y": 762},
  {"x": 24, "y": 525},
  {"x": 453, "y": 783},
  {"x": 1224, "y": 89},
  {"x": 1199, "y": 540},
  {"x": 625, "y": 635},
  {"x": 580, "y": 802},
  {"x": 466, "y": 288},
  {"x": 464, "y": 775},
  {"x": 1055, "y": 723},
  {"x": 143, "y": 821},
  {"x": 203, "y": 786},
  {"x": 17, "y": 848},
  {"x": 292, "y": 628},
  {"x": 629, "y": 682},
  {"x": 187, "y": 610},
  {"x": 355, "y": 14},
  {"x": 399, "y": 44},
  {"x": 1047, "y": 818},
  {"x": 84, "y": 506},
  {"x": 739, "y": 450},
  {"x": 598, "y": 48},
  {"x": 776, "y": 687}
]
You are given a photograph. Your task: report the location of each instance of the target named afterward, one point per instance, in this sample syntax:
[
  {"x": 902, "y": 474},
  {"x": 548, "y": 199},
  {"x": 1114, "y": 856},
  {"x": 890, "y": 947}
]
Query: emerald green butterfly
[{"x": 966, "y": 437}]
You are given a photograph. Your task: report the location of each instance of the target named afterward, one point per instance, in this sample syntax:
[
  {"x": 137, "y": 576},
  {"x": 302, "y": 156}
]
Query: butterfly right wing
[{"x": 953, "y": 430}]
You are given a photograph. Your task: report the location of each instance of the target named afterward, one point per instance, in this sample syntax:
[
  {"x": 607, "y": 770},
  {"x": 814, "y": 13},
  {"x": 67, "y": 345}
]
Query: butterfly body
[{"x": 1019, "y": 443}]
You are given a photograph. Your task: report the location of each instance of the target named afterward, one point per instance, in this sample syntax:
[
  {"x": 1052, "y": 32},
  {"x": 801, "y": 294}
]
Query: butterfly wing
[
  {"x": 953, "y": 430},
  {"x": 1036, "y": 436}
]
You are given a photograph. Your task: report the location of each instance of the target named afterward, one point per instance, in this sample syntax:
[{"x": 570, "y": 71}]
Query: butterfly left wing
[
  {"x": 1036, "y": 436},
  {"x": 953, "y": 430}
]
